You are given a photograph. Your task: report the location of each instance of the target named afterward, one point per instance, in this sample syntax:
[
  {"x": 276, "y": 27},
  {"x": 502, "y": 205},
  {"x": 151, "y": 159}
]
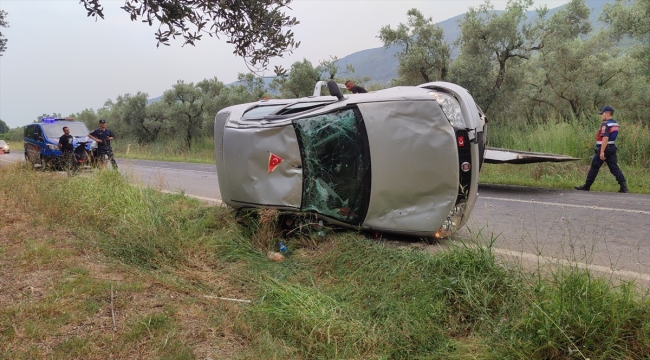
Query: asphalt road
[{"x": 607, "y": 232}]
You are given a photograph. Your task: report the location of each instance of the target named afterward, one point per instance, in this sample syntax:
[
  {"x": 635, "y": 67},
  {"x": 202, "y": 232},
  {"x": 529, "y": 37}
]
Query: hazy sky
[{"x": 59, "y": 60}]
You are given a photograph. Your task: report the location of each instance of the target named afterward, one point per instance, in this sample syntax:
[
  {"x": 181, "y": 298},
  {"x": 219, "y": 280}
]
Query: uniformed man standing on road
[{"x": 605, "y": 151}]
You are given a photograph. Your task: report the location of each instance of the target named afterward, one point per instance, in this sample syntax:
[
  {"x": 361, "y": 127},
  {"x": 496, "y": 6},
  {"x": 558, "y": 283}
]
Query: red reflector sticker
[
  {"x": 461, "y": 141},
  {"x": 274, "y": 161},
  {"x": 465, "y": 166}
]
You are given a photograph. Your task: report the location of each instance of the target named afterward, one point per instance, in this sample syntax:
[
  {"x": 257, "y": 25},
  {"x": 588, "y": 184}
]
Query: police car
[
  {"x": 41, "y": 140},
  {"x": 402, "y": 160}
]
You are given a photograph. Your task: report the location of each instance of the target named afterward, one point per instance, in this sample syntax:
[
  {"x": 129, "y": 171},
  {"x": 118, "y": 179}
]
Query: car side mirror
[
  {"x": 40, "y": 138},
  {"x": 333, "y": 87}
]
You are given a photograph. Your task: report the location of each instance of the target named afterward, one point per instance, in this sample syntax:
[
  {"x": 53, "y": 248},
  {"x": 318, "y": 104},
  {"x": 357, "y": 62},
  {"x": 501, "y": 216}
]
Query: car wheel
[
  {"x": 45, "y": 164},
  {"x": 29, "y": 161}
]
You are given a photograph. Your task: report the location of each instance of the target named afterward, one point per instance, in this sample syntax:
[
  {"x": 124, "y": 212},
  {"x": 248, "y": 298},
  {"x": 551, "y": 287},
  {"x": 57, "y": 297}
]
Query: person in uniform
[
  {"x": 103, "y": 137},
  {"x": 605, "y": 151}
]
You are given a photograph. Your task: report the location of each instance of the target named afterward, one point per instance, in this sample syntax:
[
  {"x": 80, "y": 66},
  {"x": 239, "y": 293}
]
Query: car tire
[
  {"x": 29, "y": 161},
  {"x": 45, "y": 164}
]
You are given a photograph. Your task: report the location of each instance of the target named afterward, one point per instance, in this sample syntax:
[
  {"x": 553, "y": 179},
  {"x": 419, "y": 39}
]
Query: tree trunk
[
  {"x": 502, "y": 74},
  {"x": 188, "y": 136},
  {"x": 424, "y": 75}
]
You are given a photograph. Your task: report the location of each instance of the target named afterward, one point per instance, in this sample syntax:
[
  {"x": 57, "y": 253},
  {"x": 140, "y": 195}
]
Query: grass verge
[{"x": 96, "y": 268}]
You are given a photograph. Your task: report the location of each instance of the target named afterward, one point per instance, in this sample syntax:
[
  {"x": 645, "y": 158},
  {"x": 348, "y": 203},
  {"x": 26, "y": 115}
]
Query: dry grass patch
[{"x": 55, "y": 302}]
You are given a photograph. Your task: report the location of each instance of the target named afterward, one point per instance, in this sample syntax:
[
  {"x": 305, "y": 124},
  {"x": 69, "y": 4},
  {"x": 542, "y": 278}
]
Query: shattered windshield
[{"x": 336, "y": 165}]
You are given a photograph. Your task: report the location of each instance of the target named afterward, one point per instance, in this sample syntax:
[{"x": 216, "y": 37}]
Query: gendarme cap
[
  {"x": 606, "y": 109},
  {"x": 102, "y": 121}
]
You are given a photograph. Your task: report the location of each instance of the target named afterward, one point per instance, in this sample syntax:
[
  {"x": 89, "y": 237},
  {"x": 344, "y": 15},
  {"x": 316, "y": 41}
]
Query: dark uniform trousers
[{"x": 612, "y": 162}]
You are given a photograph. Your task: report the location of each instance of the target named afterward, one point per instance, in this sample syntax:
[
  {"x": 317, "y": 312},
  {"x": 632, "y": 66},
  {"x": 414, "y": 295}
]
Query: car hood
[
  {"x": 247, "y": 154},
  {"x": 414, "y": 166}
]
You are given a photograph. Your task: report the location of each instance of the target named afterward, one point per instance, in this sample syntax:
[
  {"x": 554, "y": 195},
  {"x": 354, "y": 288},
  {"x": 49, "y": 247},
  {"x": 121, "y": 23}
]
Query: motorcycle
[{"x": 77, "y": 159}]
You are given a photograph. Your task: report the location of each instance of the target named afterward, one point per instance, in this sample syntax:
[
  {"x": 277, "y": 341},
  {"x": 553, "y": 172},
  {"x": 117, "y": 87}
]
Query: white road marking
[
  {"x": 590, "y": 267},
  {"x": 218, "y": 201},
  {"x": 566, "y": 205},
  {"x": 164, "y": 168}
]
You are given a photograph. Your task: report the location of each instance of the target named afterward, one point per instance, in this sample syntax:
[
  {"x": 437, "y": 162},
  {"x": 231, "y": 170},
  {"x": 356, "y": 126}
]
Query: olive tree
[
  {"x": 331, "y": 70},
  {"x": 4, "y": 128},
  {"x": 630, "y": 18},
  {"x": 425, "y": 56},
  {"x": 298, "y": 82},
  {"x": 255, "y": 85},
  {"x": 155, "y": 122},
  {"x": 88, "y": 117},
  {"x": 328, "y": 68},
  {"x": 490, "y": 44},
  {"x": 185, "y": 111},
  {"x": 570, "y": 72},
  {"x": 259, "y": 30}
]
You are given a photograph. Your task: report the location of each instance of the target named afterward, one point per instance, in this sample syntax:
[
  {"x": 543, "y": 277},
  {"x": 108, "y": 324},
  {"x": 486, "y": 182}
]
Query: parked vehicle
[
  {"x": 41, "y": 141},
  {"x": 402, "y": 160},
  {"x": 4, "y": 147}
]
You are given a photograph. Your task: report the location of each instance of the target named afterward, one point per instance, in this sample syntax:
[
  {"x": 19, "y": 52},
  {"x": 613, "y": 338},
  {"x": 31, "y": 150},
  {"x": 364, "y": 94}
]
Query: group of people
[{"x": 102, "y": 136}]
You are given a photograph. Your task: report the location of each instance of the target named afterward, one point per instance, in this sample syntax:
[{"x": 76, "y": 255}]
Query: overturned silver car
[{"x": 403, "y": 160}]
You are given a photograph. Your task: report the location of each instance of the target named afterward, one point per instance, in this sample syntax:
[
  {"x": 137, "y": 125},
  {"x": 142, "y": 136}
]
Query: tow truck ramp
[{"x": 506, "y": 156}]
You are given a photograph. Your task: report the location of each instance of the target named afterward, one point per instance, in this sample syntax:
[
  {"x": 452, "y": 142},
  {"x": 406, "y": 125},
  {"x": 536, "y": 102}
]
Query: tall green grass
[
  {"x": 174, "y": 149},
  {"x": 576, "y": 137},
  {"x": 338, "y": 296}
]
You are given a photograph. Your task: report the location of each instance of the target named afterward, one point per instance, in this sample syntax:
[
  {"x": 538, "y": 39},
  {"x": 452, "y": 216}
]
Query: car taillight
[{"x": 464, "y": 164}]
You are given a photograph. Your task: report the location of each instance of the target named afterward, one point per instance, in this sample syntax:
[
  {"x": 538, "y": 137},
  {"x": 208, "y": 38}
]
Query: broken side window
[{"x": 336, "y": 165}]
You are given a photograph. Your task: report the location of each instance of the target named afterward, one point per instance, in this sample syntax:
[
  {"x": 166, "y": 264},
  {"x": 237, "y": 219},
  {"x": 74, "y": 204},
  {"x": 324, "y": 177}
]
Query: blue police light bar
[{"x": 52, "y": 120}]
